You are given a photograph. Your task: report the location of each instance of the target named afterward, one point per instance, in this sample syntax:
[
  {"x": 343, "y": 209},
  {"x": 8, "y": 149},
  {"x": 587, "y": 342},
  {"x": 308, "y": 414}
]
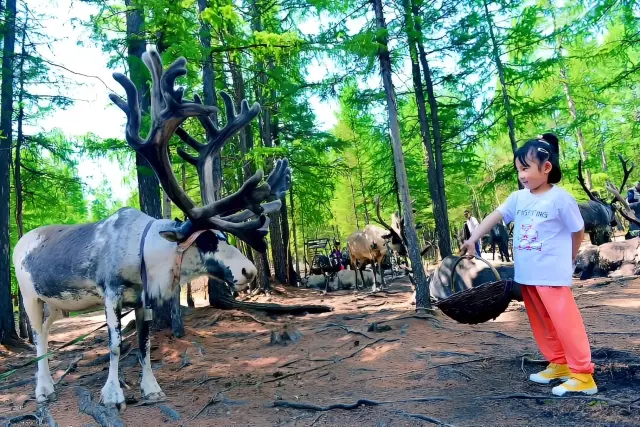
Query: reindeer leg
[
  {"x": 44, "y": 387},
  {"x": 151, "y": 391},
  {"x": 111, "y": 394}
]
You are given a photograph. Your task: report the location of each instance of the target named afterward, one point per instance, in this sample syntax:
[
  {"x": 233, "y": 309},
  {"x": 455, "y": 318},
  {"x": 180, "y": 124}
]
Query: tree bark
[
  {"x": 295, "y": 236},
  {"x": 440, "y": 211},
  {"x": 210, "y": 98},
  {"x": 183, "y": 171},
  {"x": 24, "y": 327},
  {"x": 7, "y": 323},
  {"x": 422, "y": 287},
  {"x": 148, "y": 186},
  {"x": 353, "y": 199},
  {"x": 503, "y": 83},
  {"x": 246, "y": 144}
]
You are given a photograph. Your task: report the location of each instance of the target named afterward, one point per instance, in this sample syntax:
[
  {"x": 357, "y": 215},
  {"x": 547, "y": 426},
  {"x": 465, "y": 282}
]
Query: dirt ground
[{"x": 450, "y": 373}]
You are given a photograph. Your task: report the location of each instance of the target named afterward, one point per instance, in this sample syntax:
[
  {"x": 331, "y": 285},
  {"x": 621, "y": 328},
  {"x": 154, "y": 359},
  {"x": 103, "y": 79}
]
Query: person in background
[
  {"x": 472, "y": 223},
  {"x": 633, "y": 197}
]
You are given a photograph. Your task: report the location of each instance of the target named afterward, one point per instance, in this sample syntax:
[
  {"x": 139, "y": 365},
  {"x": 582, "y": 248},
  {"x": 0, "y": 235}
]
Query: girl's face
[{"x": 535, "y": 174}]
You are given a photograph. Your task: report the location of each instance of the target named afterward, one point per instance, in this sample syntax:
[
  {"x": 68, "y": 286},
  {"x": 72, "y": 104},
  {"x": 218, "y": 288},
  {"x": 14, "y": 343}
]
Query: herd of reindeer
[
  {"x": 130, "y": 259},
  {"x": 379, "y": 246}
]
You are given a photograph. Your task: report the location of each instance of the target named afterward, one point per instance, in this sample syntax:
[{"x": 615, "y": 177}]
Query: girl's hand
[{"x": 468, "y": 248}]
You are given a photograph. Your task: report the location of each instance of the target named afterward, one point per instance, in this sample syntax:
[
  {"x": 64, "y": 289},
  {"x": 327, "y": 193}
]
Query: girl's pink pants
[{"x": 558, "y": 327}]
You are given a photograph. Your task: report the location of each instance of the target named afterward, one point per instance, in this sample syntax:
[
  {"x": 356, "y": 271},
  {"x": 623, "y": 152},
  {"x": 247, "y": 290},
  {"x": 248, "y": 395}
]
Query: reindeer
[
  {"x": 129, "y": 259},
  {"x": 370, "y": 245},
  {"x": 599, "y": 215}
]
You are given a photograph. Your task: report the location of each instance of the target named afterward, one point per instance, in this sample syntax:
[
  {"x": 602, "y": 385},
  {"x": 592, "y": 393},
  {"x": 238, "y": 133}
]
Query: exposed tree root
[
  {"x": 211, "y": 401},
  {"x": 72, "y": 366},
  {"x": 423, "y": 418},
  {"x": 227, "y": 303},
  {"x": 19, "y": 383},
  {"x": 349, "y": 330},
  {"x": 106, "y": 417},
  {"x": 355, "y": 405}
]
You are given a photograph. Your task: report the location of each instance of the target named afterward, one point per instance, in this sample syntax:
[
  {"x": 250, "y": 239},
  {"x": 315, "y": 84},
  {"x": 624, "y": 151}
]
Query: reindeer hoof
[
  {"x": 51, "y": 397},
  {"x": 155, "y": 397},
  {"x": 45, "y": 392},
  {"x": 113, "y": 397}
]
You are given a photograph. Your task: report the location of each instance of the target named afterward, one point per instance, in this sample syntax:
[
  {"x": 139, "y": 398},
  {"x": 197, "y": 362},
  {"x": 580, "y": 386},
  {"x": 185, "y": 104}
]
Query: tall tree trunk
[
  {"x": 7, "y": 323},
  {"x": 367, "y": 218},
  {"x": 23, "y": 321},
  {"x": 166, "y": 205},
  {"x": 183, "y": 172},
  {"x": 295, "y": 236},
  {"x": 267, "y": 133},
  {"x": 422, "y": 287},
  {"x": 353, "y": 199},
  {"x": 246, "y": 144},
  {"x": 582, "y": 148},
  {"x": 291, "y": 277},
  {"x": 434, "y": 153},
  {"x": 148, "y": 187},
  {"x": 511, "y": 124}
]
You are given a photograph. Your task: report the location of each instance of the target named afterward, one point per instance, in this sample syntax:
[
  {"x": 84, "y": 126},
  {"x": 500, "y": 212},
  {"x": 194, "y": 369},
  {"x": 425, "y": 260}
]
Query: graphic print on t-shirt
[{"x": 528, "y": 238}]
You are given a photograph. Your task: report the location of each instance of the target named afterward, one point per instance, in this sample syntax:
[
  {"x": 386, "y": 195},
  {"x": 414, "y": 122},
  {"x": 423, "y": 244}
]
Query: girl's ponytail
[
  {"x": 552, "y": 139},
  {"x": 545, "y": 148}
]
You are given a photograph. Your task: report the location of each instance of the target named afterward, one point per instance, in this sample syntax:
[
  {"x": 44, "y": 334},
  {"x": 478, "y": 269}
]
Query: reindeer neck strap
[
  {"x": 148, "y": 312},
  {"x": 182, "y": 247}
]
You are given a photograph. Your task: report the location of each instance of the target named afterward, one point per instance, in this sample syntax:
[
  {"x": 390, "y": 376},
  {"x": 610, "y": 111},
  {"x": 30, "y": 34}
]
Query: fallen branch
[
  {"x": 373, "y": 304},
  {"x": 423, "y": 418},
  {"x": 355, "y": 405},
  {"x": 412, "y": 316},
  {"x": 349, "y": 330},
  {"x": 106, "y": 417},
  {"x": 72, "y": 366},
  {"x": 211, "y": 401},
  {"x": 227, "y": 303},
  {"x": 19, "y": 383},
  {"x": 331, "y": 363},
  {"x": 250, "y": 317}
]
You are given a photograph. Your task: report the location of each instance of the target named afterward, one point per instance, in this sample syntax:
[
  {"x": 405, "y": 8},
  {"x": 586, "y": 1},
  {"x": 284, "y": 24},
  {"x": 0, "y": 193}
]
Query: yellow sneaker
[
  {"x": 578, "y": 383},
  {"x": 554, "y": 371}
]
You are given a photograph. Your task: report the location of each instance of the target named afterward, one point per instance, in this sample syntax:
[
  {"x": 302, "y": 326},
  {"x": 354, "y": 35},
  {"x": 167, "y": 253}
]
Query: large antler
[
  {"x": 384, "y": 224},
  {"x": 168, "y": 112},
  {"x": 584, "y": 186},
  {"x": 216, "y": 138},
  {"x": 625, "y": 211},
  {"x": 627, "y": 172}
]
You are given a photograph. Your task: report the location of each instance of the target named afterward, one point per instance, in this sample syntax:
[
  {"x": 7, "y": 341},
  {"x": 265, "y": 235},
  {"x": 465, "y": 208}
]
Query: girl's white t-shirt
[{"x": 542, "y": 244}]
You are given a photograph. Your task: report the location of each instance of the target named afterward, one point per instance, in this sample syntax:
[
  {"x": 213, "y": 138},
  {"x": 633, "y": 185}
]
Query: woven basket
[{"x": 478, "y": 304}]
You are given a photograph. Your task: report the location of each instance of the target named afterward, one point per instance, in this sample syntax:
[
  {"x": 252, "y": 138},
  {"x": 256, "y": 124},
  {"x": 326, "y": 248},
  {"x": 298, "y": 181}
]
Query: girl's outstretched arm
[
  {"x": 576, "y": 239},
  {"x": 485, "y": 226}
]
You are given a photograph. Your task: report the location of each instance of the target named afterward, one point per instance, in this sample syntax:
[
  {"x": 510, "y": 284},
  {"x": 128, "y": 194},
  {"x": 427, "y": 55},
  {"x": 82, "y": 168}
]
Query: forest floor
[{"x": 225, "y": 372}]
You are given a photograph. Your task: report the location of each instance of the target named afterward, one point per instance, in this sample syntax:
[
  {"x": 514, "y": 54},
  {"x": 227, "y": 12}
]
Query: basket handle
[{"x": 455, "y": 265}]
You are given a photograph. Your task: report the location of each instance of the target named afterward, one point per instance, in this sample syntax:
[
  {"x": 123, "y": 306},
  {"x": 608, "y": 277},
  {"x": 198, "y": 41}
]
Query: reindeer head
[
  {"x": 612, "y": 206},
  {"x": 396, "y": 235},
  {"x": 201, "y": 235}
]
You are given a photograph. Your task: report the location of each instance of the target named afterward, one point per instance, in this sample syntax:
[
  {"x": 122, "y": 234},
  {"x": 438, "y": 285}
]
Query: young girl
[{"x": 547, "y": 235}]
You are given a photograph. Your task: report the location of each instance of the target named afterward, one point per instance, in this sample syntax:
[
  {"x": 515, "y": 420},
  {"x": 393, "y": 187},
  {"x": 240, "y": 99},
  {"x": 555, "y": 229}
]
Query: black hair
[{"x": 544, "y": 148}]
